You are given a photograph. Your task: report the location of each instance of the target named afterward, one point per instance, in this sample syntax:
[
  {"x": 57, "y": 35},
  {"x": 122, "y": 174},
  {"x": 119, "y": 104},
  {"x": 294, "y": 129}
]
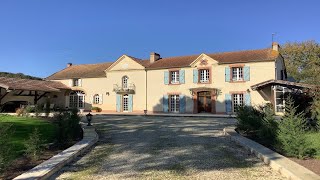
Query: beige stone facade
[{"x": 211, "y": 83}]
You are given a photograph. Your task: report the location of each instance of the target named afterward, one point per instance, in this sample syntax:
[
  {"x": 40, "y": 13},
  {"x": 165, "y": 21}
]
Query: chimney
[
  {"x": 154, "y": 57},
  {"x": 275, "y": 46},
  {"x": 69, "y": 64}
]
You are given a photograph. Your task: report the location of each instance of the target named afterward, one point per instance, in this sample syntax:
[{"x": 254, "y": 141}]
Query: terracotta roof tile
[
  {"x": 97, "y": 70},
  {"x": 32, "y": 85},
  {"x": 225, "y": 57},
  {"x": 81, "y": 71}
]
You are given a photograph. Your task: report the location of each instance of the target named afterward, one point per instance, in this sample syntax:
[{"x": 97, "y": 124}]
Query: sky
[{"x": 40, "y": 37}]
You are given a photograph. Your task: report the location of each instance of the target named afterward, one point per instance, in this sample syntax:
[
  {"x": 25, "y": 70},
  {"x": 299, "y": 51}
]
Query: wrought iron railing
[{"x": 130, "y": 89}]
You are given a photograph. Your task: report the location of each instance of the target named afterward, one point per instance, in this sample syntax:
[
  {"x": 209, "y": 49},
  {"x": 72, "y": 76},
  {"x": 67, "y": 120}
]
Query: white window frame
[
  {"x": 204, "y": 75},
  {"x": 280, "y": 107},
  {"x": 237, "y": 101},
  {"x": 124, "y": 82},
  {"x": 175, "y": 77},
  {"x": 96, "y": 99},
  {"x": 76, "y": 82},
  {"x": 237, "y": 73},
  {"x": 77, "y": 99},
  {"x": 174, "y": 103}
]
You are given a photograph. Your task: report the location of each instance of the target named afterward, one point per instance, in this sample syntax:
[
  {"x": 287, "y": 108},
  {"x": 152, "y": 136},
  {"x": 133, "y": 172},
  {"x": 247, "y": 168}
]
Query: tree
[
  {"x": 291, "y": 133},
  {"x": 18, "y": 75},
  {"x": 302, "y": 60}
]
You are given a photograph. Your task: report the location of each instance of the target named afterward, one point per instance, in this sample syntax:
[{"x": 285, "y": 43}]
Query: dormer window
[
  {"x": 76, "y": 82},
  {"x": 125, "y": 82}
]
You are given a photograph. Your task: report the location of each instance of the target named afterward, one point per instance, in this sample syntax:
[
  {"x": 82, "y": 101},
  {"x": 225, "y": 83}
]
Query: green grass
[
  {"x": 21, "y": 129},
  {"x": 314, "y": 139}
]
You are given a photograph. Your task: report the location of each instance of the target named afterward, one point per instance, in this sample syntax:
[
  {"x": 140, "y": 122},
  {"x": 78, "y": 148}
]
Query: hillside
[{"x": 18, "y": 75}]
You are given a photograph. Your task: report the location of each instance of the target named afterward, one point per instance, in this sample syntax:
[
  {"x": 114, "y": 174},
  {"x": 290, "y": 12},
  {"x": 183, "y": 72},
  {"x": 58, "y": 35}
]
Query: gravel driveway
[{"x": 138, "y": 147}]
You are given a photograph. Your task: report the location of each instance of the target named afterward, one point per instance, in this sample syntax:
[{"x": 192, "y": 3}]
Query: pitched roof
[
  {"x": 31, "y": 85},
  {"x": 282, "y": 83},
  {"x": 225, "y": 57},
  {"x": 97, "y": 70},
  {"x": 81, "y": 71}
]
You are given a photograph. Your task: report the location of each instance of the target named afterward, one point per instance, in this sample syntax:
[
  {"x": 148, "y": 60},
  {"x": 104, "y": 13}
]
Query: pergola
[
  {"x": 274, "y": 90},
  {"x": 26, "y": 87}
]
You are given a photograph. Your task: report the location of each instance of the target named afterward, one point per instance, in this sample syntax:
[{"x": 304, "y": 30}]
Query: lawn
[
  {"x": 314, "y": 139},
  {"x": 21, "y": 129}
]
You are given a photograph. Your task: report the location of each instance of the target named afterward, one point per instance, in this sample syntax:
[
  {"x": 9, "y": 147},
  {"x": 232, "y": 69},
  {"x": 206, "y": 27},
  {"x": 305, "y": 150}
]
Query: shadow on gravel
[{"x": 146, "y": 143}]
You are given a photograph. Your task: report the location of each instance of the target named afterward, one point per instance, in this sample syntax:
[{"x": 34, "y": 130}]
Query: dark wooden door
[{"x": 204, "y": 102}]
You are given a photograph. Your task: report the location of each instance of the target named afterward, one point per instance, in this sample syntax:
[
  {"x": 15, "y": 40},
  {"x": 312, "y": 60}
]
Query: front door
[
  {"x": 204, "y": 102},
  {"x": 125, "y": 103}
]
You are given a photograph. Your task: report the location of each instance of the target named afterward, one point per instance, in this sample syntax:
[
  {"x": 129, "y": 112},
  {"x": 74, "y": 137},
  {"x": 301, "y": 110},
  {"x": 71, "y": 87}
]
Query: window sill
[
  {"x": 204, "y": 82},
  {"x": 241, "y": 81},
  {"x": 174, "y": 84}
]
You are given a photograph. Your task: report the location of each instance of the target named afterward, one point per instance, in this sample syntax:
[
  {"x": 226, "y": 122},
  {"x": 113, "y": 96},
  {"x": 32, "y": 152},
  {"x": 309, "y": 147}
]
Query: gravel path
[{"x": 137, "y": 147}]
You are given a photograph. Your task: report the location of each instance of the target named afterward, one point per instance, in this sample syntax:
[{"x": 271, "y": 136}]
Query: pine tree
[{"x": 291, "y": 133}]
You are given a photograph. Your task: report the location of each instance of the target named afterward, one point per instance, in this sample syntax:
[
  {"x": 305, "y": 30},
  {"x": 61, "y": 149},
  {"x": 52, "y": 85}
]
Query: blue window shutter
[
  {"x": 247, "y": 99},
  {"x": 182, "y": 101},
  {"x": 246, "y": 73},
  {"x": 195, "y": 76},
  {"x": 227, "y": 74},
  {"x": 118, "y": 103},
  {"x": 165, "y": 103},
  {"x": 166, "y": 77},
  {"x": 228, "y": 102},
  {"x": 181, "y": 77},
  {"x": 130, "y": 103}
]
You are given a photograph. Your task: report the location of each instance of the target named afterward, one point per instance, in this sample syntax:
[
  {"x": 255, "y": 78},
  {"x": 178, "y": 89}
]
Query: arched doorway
[
  {"x": 204, "y": 101},
  {"x": 76, "y": 99}
]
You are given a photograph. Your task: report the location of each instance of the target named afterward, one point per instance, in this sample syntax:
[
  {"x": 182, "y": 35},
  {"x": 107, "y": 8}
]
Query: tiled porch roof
[
  {"x": 272, "y": 82},
  {"x": 31, "y": 85}
]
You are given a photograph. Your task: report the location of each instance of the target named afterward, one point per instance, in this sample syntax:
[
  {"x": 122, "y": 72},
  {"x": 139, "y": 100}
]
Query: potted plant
[{"x": 96, "y": 109}]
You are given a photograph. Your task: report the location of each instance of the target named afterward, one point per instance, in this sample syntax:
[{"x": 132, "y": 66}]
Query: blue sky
[{"x": 40, "y": 37}]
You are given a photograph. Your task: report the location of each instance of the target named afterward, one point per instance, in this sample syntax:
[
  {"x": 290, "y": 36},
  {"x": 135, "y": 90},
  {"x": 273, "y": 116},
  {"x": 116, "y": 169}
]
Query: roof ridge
[{"x": 217, "y": 53}]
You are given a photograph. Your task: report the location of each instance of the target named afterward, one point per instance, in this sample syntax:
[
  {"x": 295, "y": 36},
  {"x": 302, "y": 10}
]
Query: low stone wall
[
  {"x": 276, "y": 161},
  {"x": 54, "y": 164}
]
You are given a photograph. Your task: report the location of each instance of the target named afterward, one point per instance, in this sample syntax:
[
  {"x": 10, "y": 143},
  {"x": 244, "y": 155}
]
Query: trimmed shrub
[
  {"x": 249, "y": 119},
  {"x": 96, "y": 109},
  {"x": 291, "y": 134},
  {"x": 34, "y": 145},
  {"x": 69, "y": 128}
]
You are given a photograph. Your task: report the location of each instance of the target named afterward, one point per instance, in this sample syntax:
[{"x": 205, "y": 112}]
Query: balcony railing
[{"x": 130, "y": 89}]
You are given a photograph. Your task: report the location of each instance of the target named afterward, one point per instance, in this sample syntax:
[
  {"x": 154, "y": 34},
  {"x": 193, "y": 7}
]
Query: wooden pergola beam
[{"x": 41, "y": 96}]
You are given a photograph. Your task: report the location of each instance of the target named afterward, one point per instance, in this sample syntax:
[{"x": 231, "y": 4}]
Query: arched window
[
  {"x": 76, "y": 99},
  {"x": 96, "y": 99},
  {"x": 125, "y": 82}
]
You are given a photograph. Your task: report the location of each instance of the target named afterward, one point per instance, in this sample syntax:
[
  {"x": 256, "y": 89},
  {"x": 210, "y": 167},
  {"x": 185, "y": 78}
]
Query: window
[
  {"x": 174, "y": 103},
  {"x": 96, "y": 99},
  {"x": 204, "y": 75},
  {"x": 282, "y": 75},
  {"x": 280, "y": 98},
  {"x": 237, "y": 74},
  {"x": 76, "y": 82},
  {"x": 125, "y": 82},
  {"x": 76, "y": 99},
  {"x": 174, "y": 77},
  {"x": 237, "y": 101}
]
